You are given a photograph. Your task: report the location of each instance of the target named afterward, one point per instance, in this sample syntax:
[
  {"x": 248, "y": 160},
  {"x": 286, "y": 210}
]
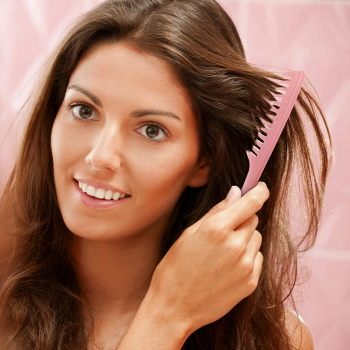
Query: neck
[{"x": 116, "y": 273}]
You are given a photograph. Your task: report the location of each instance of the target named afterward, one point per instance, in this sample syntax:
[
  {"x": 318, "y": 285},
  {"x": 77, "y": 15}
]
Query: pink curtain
[{"x": 309, "y": 35}]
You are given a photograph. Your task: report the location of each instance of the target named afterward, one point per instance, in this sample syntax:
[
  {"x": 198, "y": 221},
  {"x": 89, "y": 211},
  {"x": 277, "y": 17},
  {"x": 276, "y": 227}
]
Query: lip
[
  {"x": 97, "y": 184},
  {"x": 95, "y": 202}
]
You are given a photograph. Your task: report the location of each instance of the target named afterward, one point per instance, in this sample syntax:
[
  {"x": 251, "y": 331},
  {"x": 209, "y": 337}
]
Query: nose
[{"x": 106, "y": 152}]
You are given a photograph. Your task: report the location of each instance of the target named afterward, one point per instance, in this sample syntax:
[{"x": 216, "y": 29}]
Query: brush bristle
[
  {"x": 281, "y": 104},
  {"x": 275, "y": 104}
]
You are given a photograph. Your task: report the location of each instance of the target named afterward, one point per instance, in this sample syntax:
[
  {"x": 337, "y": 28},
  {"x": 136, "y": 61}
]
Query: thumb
[{"x": 233, "y": 195}]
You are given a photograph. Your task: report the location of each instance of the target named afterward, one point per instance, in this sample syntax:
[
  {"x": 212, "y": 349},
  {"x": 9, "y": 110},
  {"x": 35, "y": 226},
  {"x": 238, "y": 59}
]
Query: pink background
[{"x": 310, "y": 35}]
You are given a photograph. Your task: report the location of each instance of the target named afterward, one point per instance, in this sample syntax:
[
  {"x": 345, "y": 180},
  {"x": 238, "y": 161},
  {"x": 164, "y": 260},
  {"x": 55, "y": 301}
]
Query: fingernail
[
  {"x": 233, "y": 194},
  {"x": 262, "y": 182}
]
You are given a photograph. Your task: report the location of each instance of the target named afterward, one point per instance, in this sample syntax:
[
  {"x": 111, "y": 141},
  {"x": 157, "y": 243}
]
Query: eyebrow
[
  {"x": 136, "y": 114},
  {"x": 91, "y": 96},
  {"x": 144, "y": 113}
]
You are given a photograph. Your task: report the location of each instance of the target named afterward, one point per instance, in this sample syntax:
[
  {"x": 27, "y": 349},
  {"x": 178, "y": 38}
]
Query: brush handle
[{"x": 254, "y": 173}]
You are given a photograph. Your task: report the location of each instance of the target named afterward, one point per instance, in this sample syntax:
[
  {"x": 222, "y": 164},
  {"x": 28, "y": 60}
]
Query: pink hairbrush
[{"x": 282, "y": 107}]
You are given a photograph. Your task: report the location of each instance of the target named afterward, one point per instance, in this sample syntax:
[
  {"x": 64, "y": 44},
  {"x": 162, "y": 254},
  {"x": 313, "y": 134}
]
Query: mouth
[
  {"x": 101, "y": 193},
  {"x": 97, "y": 197}
]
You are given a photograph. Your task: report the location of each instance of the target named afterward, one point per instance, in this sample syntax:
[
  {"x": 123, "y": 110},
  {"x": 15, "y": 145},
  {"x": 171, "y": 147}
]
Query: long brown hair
[{"x": 40, "y": 299}]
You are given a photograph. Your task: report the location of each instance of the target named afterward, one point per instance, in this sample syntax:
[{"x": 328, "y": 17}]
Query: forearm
[{"x": 153, "y": 328}]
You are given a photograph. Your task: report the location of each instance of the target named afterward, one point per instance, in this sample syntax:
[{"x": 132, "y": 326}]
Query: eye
[
  {"x": 153, "y": 132},
  {"x": 82, "y": 111}
]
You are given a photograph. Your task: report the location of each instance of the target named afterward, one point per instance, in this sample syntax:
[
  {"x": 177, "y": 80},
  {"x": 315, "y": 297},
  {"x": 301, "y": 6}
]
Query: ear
[{"x": 200, "y": 175}]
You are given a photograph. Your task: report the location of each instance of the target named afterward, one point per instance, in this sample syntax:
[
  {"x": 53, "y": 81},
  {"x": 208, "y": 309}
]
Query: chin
[{"x": 95, "y": 234}]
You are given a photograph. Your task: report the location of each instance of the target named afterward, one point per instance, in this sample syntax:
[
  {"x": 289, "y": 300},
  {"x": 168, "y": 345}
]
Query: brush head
[{"x": 268, "y": 135}]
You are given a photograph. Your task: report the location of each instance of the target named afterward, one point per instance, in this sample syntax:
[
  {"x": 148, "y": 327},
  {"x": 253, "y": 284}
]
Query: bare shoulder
[{"x": 299, "y": 333}]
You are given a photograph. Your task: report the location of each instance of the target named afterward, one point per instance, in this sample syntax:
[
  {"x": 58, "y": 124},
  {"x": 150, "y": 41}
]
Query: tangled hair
[{"x": 40, "y": 299}]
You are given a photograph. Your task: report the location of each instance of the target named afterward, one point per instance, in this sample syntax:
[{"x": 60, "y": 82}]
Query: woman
[{"x": 117, "y": 231}]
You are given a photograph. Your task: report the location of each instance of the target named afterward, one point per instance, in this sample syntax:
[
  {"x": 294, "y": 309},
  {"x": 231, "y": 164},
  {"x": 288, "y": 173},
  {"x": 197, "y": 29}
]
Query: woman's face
[{"x": 126, "y": 129}]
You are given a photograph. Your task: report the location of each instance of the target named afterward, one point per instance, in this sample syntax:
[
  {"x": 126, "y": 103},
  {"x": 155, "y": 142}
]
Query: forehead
[
  {"x": 121, "y": 67},
  {"x": 125, "y": 53}
]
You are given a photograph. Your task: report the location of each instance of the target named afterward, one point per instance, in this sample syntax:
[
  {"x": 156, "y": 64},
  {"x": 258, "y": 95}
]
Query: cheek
[
  {"x": 64, "y": 148},
  {"x": 161, "y": 187},
  {"x": 166, "y": 173},
  {"x": 65, "y": 145},
  {"x": 58, "y": 147},
  {"x": 171, "y": 165}
]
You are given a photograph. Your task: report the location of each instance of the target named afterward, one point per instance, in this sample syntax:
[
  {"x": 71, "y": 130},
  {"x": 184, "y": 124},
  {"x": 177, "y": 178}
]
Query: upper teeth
[{"x": 100, "y": 192}]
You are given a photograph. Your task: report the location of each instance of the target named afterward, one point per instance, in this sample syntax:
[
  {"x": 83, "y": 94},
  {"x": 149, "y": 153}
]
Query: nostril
[{"x": 89, "y": 161}]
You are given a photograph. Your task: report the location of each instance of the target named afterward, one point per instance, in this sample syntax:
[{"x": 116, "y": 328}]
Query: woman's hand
[{"x": 214, "y": 264}]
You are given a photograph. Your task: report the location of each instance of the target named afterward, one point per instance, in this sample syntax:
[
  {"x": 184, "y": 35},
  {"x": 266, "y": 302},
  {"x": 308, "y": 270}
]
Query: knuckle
[
  {"x": 263, "y": 189},
  {"x": 255, "y": 220},
  {"x": 267, "y": 192},
  {"x": 218, "y": 207},
  {"x": 224, "y": 231},
  {"x": 258, "y": 237},
  {"x": 255, "y": 200},
  {"x": 223, "y": 227},
  {"x": 238, "y": 246},
  {"x": 247, "y": 265},
  {"x": 187, "y": 232},
  {"x": 218, "y": 230},
  {"x": 254, "y": 275},
  {"x": 252, "y": 284}
]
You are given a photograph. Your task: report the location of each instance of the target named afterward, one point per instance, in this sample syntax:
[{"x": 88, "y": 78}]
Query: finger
[
  {"x": 258, "y": 263},
  {"x": 233, "y": 195},
  {"x": 254, "y": 244},
  {"x": 247, "y": 227},
  {"x": 245, "y": 231},
  {"x": 255, "y": 274},
  {"x": 242, "y": 209}
]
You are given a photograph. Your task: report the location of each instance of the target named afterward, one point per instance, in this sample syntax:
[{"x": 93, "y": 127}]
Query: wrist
[{"x": 155, "y": 327}]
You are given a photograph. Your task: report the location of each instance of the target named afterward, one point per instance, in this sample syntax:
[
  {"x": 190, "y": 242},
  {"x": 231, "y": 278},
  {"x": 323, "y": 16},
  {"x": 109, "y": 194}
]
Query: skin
[
  {"x": 299, "y": 333},
  {"x": 170, "y": 330},
  {"x": 140, "y": 302},
  {"x": 117, "y": 249}
]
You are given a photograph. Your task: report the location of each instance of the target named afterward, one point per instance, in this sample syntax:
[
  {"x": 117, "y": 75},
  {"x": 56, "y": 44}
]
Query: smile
[
  {"x": 101, "y": 193},
  {"x": 98, "y": 195}
]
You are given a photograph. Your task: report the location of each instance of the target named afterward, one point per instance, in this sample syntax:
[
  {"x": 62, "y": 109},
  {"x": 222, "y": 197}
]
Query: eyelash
[
  {"x": 165, "y": 132},
  {"x": 78, "y": 104},
  {"x": 86, "y": 105}
]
